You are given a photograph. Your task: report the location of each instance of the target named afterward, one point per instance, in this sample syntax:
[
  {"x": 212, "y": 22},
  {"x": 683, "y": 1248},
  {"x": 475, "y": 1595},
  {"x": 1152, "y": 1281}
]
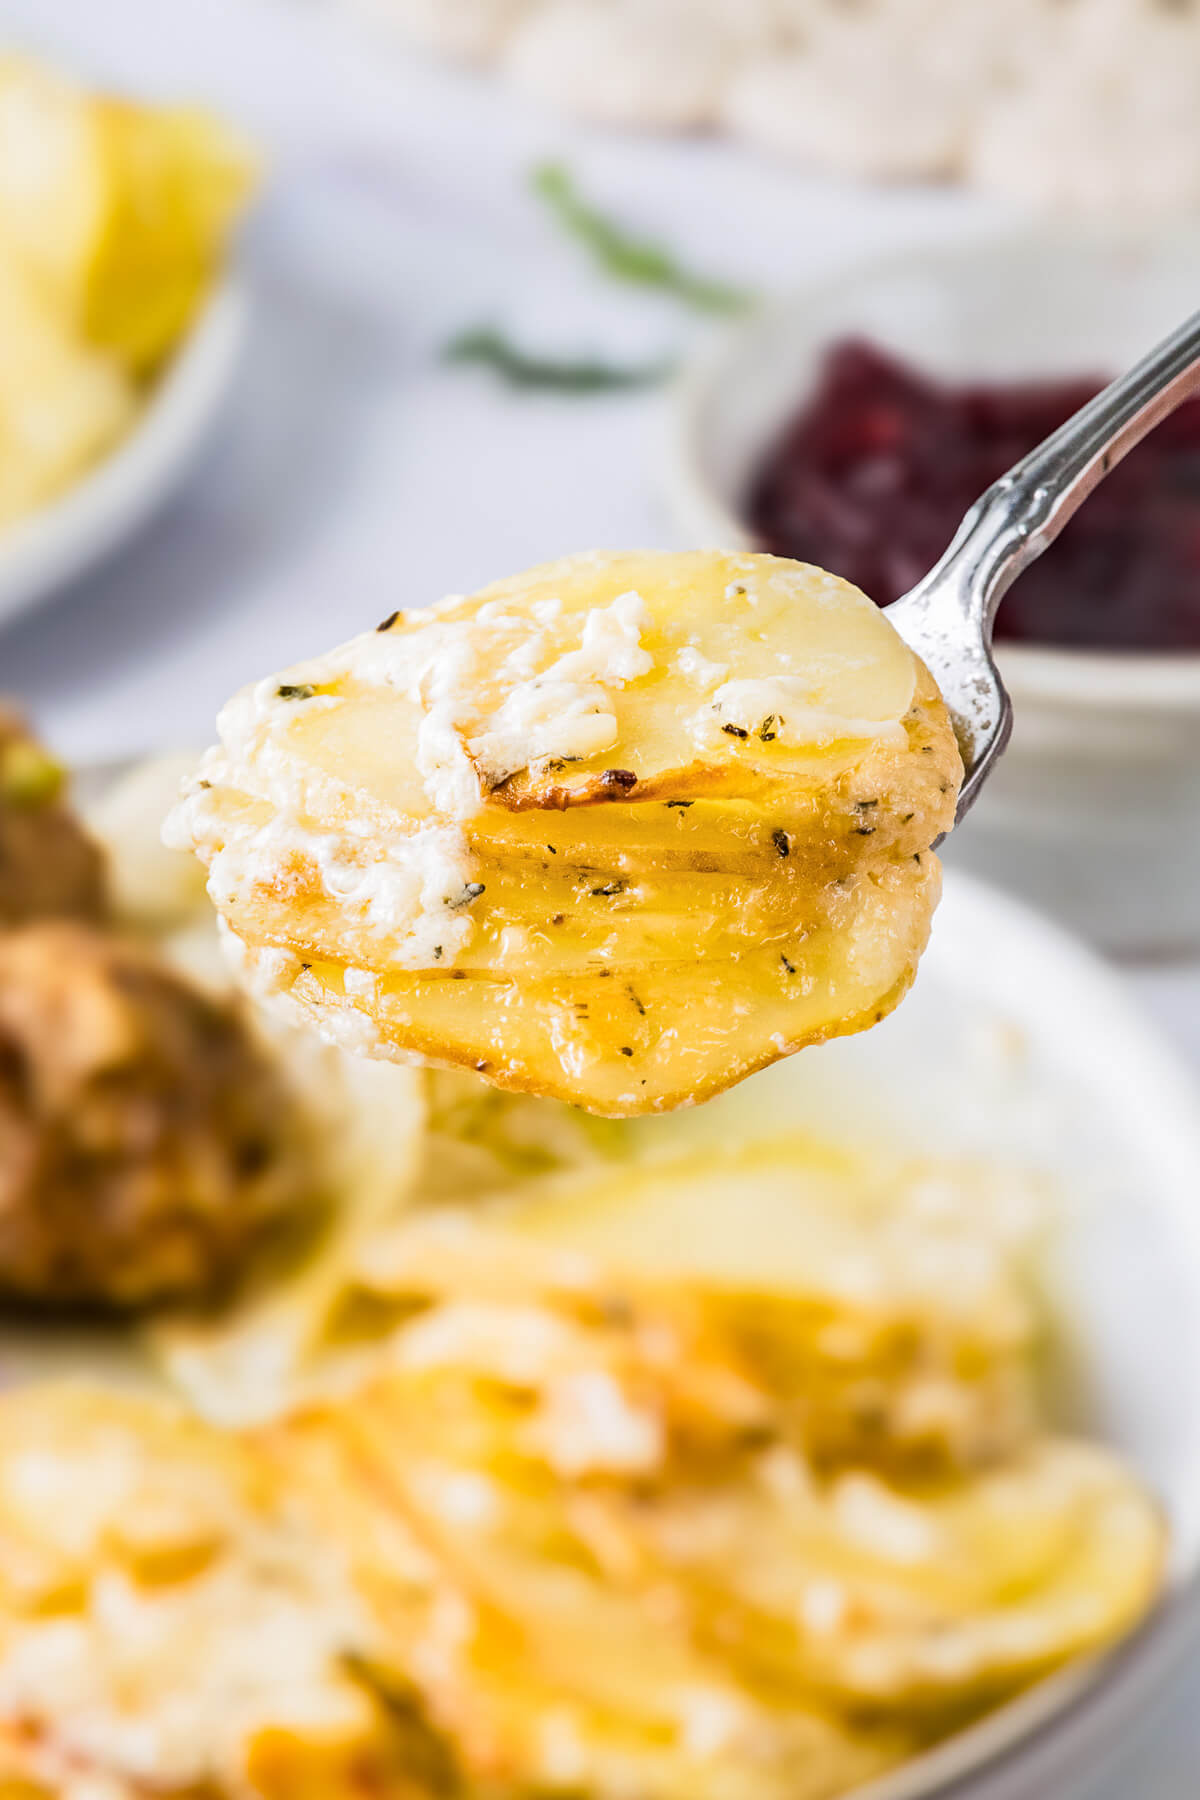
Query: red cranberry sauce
[{"x": 874, "y": 473}]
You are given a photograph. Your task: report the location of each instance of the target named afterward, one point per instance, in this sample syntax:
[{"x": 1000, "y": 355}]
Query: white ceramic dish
[
  {"x": 63, "y": 539},
  {"x": 1095, "y": 811},
  {"x": 1015, "y": 1043}
]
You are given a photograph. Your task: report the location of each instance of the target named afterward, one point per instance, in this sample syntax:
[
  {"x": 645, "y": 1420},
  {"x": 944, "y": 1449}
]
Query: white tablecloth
[{"x": 354, "y": 472}]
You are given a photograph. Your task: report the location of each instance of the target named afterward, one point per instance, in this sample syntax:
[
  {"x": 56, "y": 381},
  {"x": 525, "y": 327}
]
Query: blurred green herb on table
[
  {"x": 626, "y": 257},
  {"x": 522, "y": 370}
]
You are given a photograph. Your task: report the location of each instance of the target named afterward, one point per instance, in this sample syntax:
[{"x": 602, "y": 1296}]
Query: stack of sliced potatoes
[
  {"x": 633, "y": 1472},
  {"x": 653, "y": 1593},
  {"x": 619, "y": 831},
  {"x": 547, "y": 1547},
  {"x": 114, "y": 218}
]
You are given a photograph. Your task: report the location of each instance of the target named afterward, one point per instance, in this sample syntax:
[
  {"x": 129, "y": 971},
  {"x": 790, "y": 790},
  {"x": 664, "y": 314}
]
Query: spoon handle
[
  {"x": 1021, "y": 514},
  {"x": 947, "y": 618}
]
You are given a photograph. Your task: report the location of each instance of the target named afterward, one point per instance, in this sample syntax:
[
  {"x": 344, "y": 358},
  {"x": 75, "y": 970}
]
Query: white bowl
[
  {"x": 1095, "y": 810},
  {"x": 67, "y": 536}
]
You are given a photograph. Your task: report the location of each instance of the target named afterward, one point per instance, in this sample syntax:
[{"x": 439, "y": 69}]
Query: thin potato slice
[
  {"x": 886, "y": 1336},
  {"x": 933, "y": 1599},
  {"x": 672, "y": 1038},
  {"x": 498, "y": 791},
  {"x": 558, "y": 919}
]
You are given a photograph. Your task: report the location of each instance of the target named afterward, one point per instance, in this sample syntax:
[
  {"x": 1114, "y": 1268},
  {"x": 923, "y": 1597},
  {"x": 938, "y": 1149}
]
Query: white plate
[
  {"x": 1019, "y": 1044},
  {"x": 64, "y": 538}
]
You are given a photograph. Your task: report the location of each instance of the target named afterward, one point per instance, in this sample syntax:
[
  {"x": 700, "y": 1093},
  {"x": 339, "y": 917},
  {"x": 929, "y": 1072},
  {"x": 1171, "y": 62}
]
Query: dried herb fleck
[
  {"x": 789, "y": 966},
  {"x": 386, "y": 624},
  {"x": 782, "y": 842},
  {"x": 609, "y": 888},
  {"x": 471, "y": 892},
  {"x": 295, "y": 690},
  {"x": 735, "y": 731},
  {"x": 768, "y": 731}
]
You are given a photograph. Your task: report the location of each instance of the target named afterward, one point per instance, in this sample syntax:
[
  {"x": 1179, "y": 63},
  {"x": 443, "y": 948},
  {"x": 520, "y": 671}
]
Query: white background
[{"x": 353, "y": 472}]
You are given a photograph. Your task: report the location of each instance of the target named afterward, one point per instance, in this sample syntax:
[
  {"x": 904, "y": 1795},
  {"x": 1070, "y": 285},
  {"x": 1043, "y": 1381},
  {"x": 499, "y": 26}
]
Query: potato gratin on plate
[
  {"x": 619, "y": 831},
  {"x": 369, "y": 1431}
]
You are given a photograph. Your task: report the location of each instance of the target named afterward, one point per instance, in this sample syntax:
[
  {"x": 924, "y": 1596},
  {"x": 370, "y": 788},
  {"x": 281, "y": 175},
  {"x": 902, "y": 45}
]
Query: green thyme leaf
[
  {"x": 521, "y": 370},
  {"x": 628, "y": 258}
]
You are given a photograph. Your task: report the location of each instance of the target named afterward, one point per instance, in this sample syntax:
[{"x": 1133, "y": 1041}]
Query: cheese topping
[
  {"x": 495, "y": 695},
  {"x": 789, "y": 708}
]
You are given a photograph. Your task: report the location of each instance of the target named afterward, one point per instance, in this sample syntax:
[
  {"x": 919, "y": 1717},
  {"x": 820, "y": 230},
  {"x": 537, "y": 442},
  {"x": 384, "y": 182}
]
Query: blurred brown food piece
[
  {"x": 146, "y": 1142},
  {"x": 49, "y": 867}
]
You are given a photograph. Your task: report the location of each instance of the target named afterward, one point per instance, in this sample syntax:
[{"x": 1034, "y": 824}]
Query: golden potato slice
[
  {"x": 929, "y": 1600},
  {"x": 500, "y": 791},
  {"x": 886, "y": 1336},
  {"x": 672, "y": 1037},
  {"x": 558, "y": 919},
  {"x": 119, "y": 213}
]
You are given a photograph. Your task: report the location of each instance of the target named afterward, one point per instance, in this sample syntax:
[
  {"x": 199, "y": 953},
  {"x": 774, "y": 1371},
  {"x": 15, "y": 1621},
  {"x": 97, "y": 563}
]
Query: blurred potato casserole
[
  {"x": 114, "y": 218},
  {"x": 530, "y": 1452}
]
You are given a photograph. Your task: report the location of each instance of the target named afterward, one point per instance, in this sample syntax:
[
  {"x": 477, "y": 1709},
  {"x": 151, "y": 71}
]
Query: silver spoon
[{"x": 947, "y": 618}]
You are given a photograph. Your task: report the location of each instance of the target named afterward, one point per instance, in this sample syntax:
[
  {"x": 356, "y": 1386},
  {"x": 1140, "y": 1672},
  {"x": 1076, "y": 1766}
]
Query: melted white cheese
[
  {"x": 495, "y": 697},
  {"x": 789, "y": 707}
]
